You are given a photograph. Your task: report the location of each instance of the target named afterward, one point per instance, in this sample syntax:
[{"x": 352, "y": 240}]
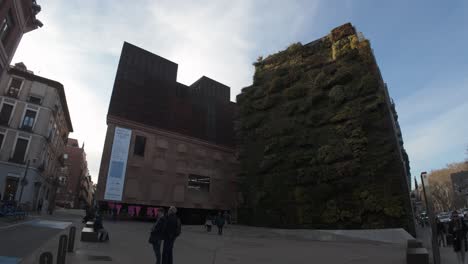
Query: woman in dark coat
[{"x": 458, "y": 231}]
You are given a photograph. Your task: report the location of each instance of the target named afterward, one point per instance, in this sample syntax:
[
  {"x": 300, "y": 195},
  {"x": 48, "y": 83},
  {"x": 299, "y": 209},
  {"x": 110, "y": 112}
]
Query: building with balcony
[
  {"x": 17, "y": 17},
  {"x": 76, "y": 188},
  {"x": 167, "y": 143},
  {"x": 34, "y": 128}
]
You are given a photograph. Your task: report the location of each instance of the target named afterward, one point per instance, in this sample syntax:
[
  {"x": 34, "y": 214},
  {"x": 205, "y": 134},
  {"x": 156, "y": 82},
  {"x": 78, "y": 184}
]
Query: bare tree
[
  {"x": 442, "y": 196},
  {"x": 441, "y": 188}
]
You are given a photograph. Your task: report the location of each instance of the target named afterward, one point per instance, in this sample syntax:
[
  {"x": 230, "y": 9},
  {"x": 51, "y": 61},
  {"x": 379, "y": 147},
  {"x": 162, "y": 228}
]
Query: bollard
[
  {"x": 46, "y": 258},
  {"x": 62, "y": 249},
  {"x": 71, "y": 239}
]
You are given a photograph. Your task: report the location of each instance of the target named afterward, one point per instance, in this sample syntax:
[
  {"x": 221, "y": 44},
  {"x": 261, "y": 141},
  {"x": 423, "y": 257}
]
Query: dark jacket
[
  {"x": 157, "y": 232},
  {"x": 98, "y": 224},
  {"x": 440, "y": 228},
  {"x": 171, "y": 227},
  {"x": 458, "y": 235},
  {"x": 220, "y": 221}
]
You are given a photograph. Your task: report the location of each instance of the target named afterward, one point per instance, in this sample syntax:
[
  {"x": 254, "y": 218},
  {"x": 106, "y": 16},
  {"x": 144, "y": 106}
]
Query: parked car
[{"x": 444, "y": 217}]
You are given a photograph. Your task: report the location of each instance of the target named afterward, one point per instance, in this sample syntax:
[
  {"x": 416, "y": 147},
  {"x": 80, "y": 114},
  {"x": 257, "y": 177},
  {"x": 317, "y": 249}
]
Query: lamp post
[
  {"x": 430, "y": 213},
  {"x": 24, "y": 182}
]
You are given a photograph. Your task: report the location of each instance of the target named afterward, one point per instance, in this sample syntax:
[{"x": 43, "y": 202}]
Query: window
[
  {"x": 6, "y": 27},
  {"x": 139, "y": 148},
  {"x": 52, "y": 132},
  {"x": 20, "y": 150},
  {"x": 28, "y": 120},
  {"x": 15, "y": 86},
  {"x": 5, "y": 114},
  {"x": 35, "y": 99},
  {"x": 199, "y": 183}
]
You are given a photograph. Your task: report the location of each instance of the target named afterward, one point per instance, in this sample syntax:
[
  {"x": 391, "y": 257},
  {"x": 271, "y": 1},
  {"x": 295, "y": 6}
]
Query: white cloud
[
  {"x": 434, "y": 125},
  {"x": 80, "y": 44}
]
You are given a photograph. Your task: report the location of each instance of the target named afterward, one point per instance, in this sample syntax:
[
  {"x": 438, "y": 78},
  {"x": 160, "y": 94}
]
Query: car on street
[{"x": 444, "y": 217}]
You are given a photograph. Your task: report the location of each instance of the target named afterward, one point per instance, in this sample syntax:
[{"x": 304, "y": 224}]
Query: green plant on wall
[{"x": 317, "y": 148}]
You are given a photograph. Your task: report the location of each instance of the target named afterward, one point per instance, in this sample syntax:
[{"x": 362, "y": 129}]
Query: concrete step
[
  {"x": 417, "y": 256},
  {"x": 89, "y": 224},
  {"x": 88, "y": 235}
]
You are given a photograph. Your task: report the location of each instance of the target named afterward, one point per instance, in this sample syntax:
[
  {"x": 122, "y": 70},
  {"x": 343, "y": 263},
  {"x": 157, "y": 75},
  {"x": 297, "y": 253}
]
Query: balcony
[
  {"x": 13, "y": 92},
  {"x": 26, "y": 128}
]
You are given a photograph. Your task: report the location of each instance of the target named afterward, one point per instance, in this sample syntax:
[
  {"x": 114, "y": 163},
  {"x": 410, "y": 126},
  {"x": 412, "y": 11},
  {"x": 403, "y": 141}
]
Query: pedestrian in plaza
[
  {"x": 88, "y": 216},
  {"x": 171, "y": 232},
  {"x": 45, "y": 207},
  {"x": 441, "y": 233},
  {"x": 98, "y": 227},
  {"x": 458, "y": 230},
  {"x": 208, "y": 223},
  {"x": 157, "y": 234},
  {"x": 220, "y": 221},
  {"x": 39, "y": 207},
  {"x": 114, "y": 214}
]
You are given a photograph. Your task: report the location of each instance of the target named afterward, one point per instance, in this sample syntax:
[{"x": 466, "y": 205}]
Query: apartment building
[
  {"x": 76, "y": 189},
  {"x": 17, "y": 17},
  {"x": 34, "y": 128}
]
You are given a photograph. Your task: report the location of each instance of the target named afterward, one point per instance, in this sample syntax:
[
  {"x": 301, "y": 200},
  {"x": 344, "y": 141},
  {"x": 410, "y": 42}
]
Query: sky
[{"x": 420, "y": 47}]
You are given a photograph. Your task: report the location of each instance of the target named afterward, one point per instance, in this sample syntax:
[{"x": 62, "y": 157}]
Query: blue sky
[{"x": 420, "y": 46}]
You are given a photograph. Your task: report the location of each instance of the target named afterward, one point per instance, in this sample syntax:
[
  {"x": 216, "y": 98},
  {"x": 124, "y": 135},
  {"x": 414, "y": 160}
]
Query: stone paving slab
[{"x": 129, "y": 244}]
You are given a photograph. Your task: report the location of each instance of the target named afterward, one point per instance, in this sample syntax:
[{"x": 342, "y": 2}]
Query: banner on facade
[{"x": 118, "y": 164}]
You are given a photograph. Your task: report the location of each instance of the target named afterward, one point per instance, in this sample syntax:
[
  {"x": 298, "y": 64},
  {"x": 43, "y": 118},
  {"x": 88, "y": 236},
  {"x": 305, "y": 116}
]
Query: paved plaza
[{"x": 239, "y": 244}]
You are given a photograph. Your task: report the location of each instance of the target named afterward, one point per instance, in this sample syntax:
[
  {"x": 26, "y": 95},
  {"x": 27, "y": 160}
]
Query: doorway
[{"x": 11, "y": 187}]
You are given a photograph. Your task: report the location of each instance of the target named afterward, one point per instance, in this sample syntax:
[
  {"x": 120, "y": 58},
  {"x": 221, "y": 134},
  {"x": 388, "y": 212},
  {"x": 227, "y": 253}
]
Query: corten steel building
[{"x": 167, "y": 143}]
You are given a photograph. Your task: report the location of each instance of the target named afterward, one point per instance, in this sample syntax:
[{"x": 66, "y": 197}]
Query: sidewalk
[
  {"x": 19, "y": 240},
  {"x": 447, "y": 255}
]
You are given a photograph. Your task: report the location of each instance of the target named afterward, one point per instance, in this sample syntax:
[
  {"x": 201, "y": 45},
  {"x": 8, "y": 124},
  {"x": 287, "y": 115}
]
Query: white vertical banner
[{"x": 118, "y": 164}]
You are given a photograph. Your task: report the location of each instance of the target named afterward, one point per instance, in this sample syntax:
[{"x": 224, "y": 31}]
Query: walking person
[
  {"x": 98, "y": 227},
  {"x": 114, "y": 214},
  {"x": 157, "y": 234},
  {"x": 441, "y": 234},
  {"x": 208, "y": 223},
  {"x": 45, "y": 207},
  {"x": 39, "y": 207},
  {"x": 171, "y": 232},
  {"x": 220, "y": 221},
  {"x": 458, "y": 231}
]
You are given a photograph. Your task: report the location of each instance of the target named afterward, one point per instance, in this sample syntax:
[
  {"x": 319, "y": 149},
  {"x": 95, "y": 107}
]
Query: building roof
[
  {"x": 72, "y": 142},
  {"x": 61, "y": 92},
  {"x": 146, "y": 91}
]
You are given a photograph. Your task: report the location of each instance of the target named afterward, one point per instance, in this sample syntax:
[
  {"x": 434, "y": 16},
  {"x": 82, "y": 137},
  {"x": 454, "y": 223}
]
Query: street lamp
[
  {"x": 430, "y": 213},
  {"x": 23, "y": 182}
]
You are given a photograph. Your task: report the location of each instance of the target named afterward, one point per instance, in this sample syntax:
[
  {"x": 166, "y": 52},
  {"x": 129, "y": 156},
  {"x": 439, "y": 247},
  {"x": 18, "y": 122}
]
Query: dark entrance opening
[{"x": 11, "y": 187}]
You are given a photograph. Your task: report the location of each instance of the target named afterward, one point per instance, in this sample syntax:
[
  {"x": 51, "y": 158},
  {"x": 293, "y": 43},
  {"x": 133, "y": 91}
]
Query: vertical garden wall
[{"x": 318, "y": 142}]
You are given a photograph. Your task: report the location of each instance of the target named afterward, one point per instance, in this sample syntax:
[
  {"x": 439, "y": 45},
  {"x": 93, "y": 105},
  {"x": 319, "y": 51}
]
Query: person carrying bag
[{"x": 157, "y": 234}]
